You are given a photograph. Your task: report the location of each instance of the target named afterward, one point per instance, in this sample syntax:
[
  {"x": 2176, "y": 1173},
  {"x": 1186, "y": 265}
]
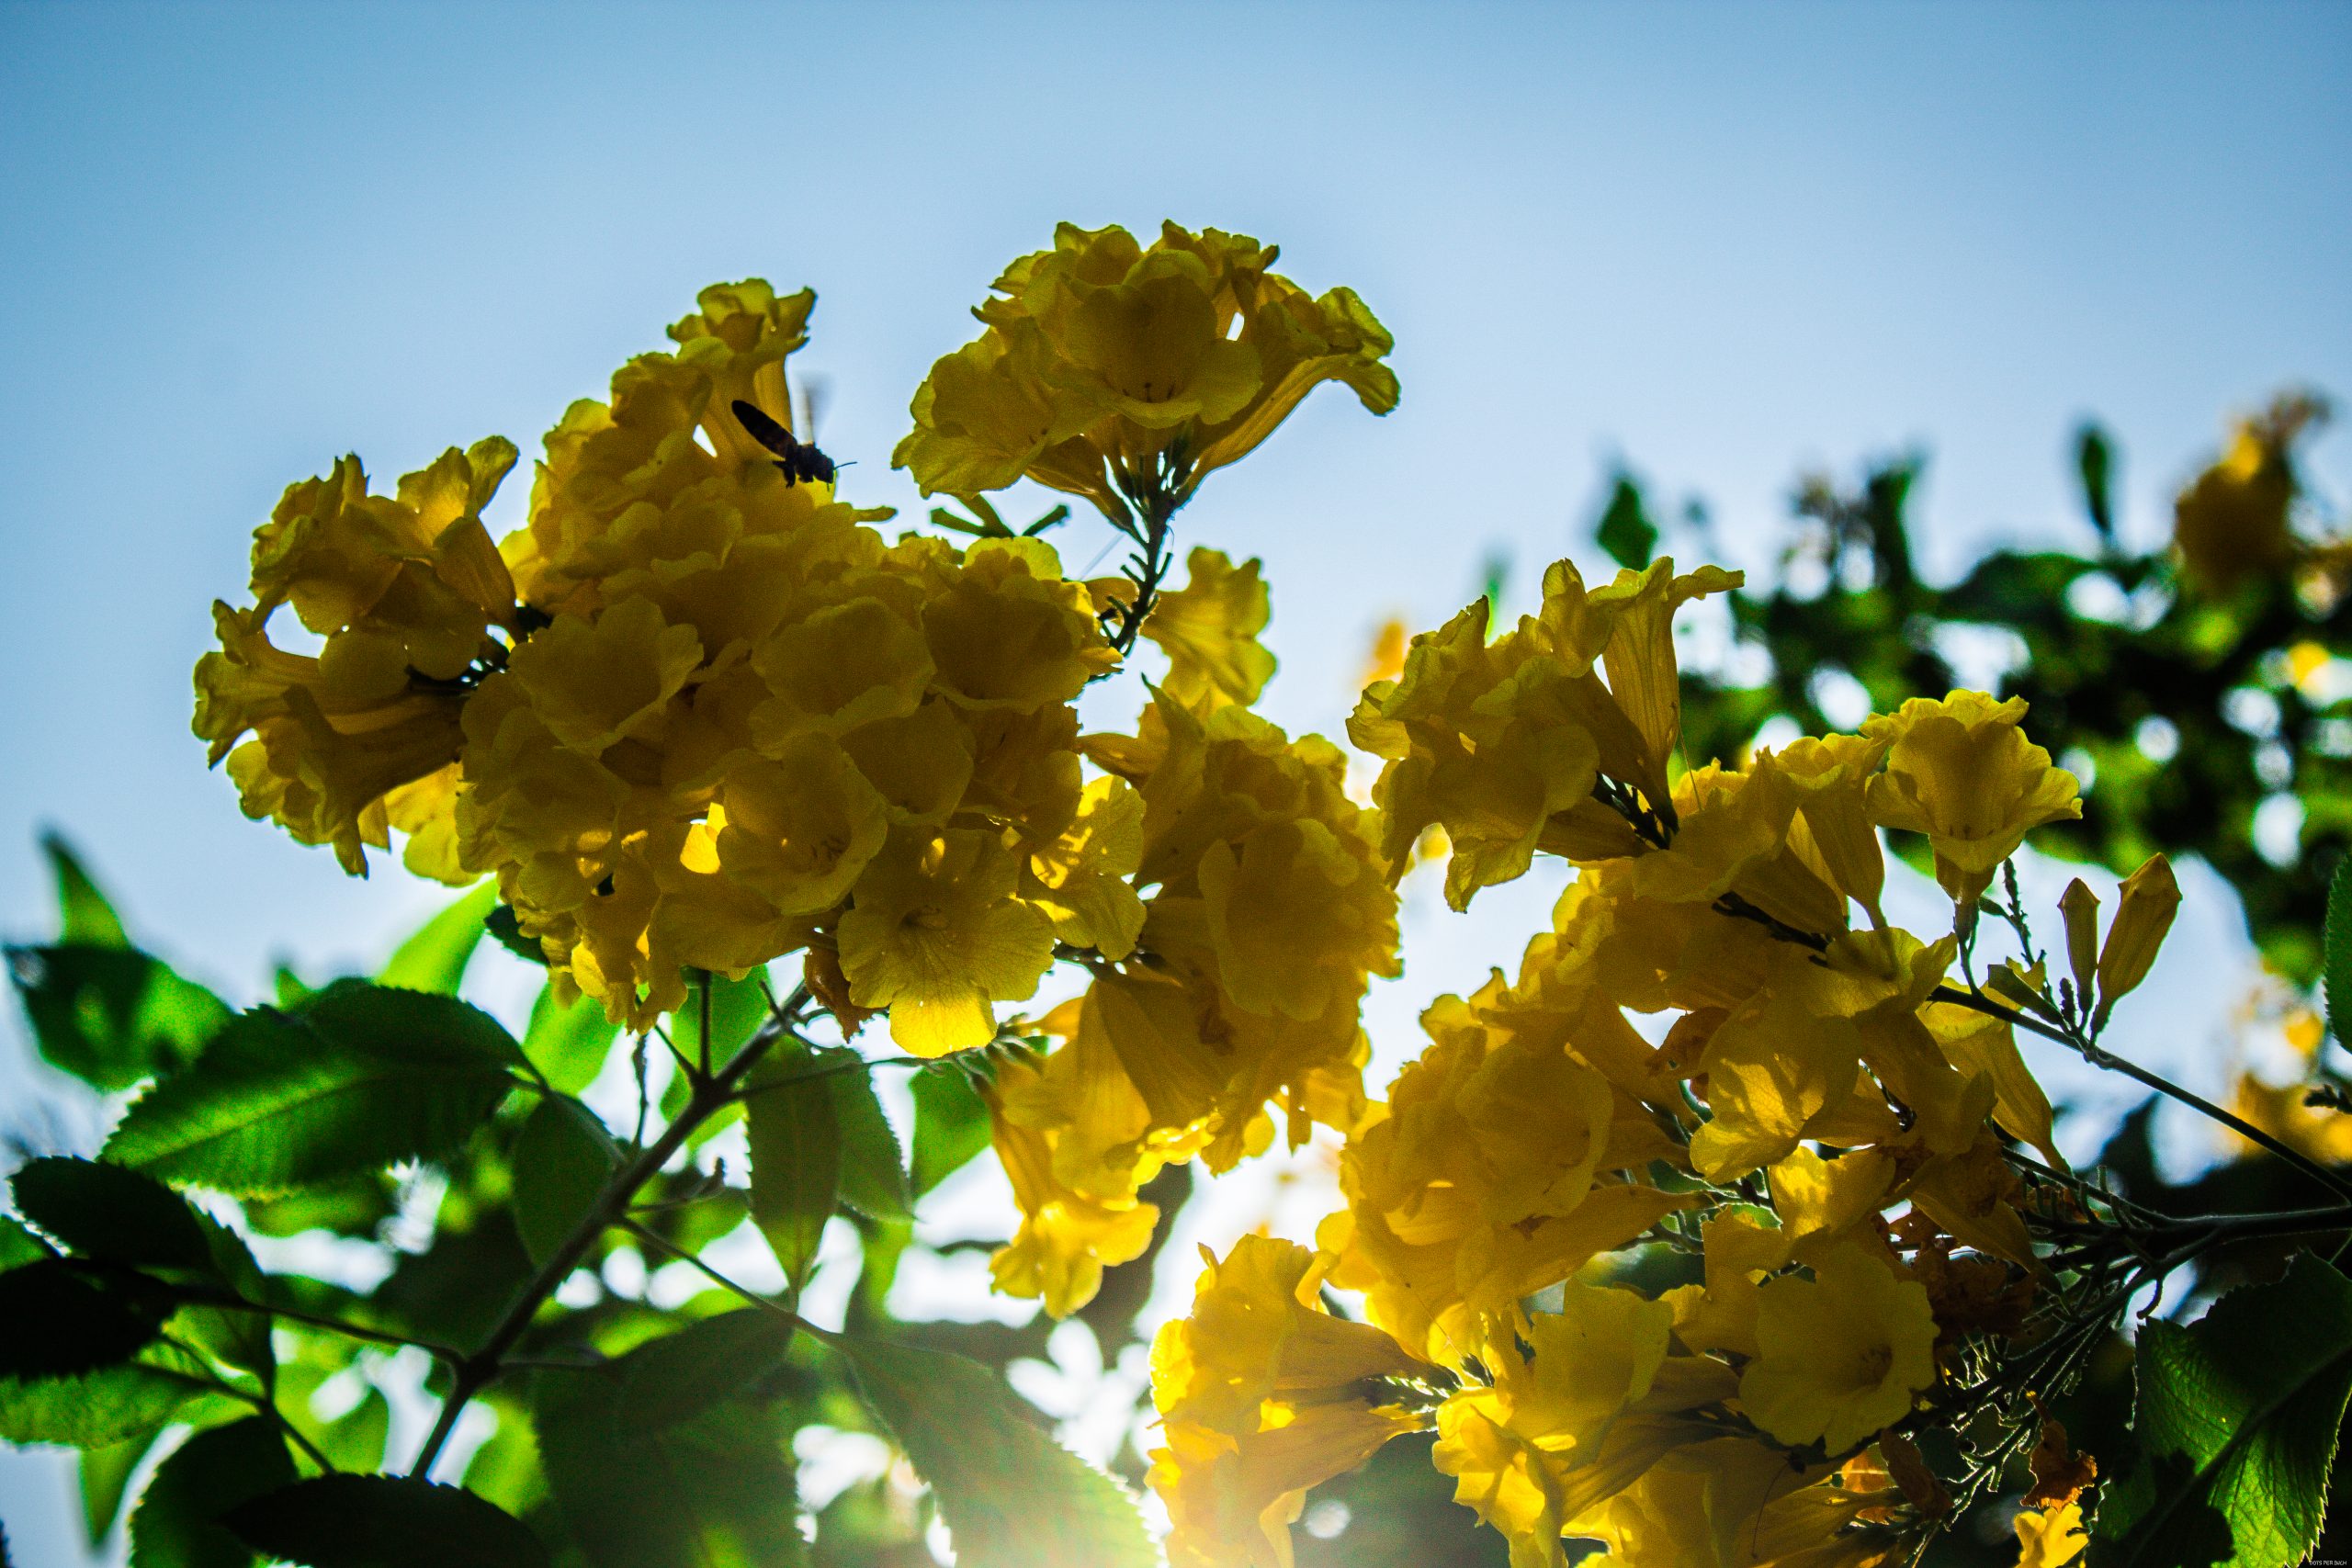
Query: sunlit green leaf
[
  {"x": 796, "y": 1147},
  {"x": 711, "y": 1491},
  {"x": 109, "y": 1406},
  {"x": 112, "y": 1016},
  {"x": 105, "y": 1474},
  {"x": 737, "y": 1008},
  {"x": 177, "y": 1521},
  {"x": 562, "y": 1159},
  {"x": 435, "y": 958},
  {"x": 569, "y": 1043},
  {"x": 86, "y": 916},
  {"x": 383, "y": 1521},
  {"x": 2236, "y": 1419},
  {"x": 680, "y": 1375},
  {"x": 363, "y": 1077},
  {"x": 951, "y": 1125},
  {"x": 873, "y": 1172},
  {"x": 1010, "y": 1496}
]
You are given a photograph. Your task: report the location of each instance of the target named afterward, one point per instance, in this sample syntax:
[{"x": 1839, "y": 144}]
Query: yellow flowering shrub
[{"x": 1672, "y": 1237}]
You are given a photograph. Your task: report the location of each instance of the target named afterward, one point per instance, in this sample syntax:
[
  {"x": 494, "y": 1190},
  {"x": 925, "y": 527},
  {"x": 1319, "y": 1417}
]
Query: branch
[{"x": 477, "y": 1371}]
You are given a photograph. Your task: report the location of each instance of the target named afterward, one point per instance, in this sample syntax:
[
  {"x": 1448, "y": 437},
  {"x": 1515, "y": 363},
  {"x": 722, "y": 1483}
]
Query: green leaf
[
  {"x": 2338, "y": 952},
  {"x": 569, "y": 1044},
  {"x": 383, "y": 1521},
  {"x": 177, "y": 1522},
  {"x": 738, "y": 1008},
  {"x": 86, "y": 916},
  {"x": 1625, "y": 530},
  {"x": 951, "y": 1125},
  {"x": 112, "y": 1016},
  {"x": 874, "y": 1173},
  {"x": 677, "y": 1377},
  {"x": 562, "y": 1159},
  {"x": 105, "y": 1475},
  {"x": 507, "y": 932},
  {"x": 59, "y": 1319},
  {"x": 796, "y": 1149},
  {"x": 360, "y": 1078},
  {"x": 712, "y": 1491},
  {"x": 435, "y": 958},
  {"x": 457, "y": 1289},
  {"x": 2095, "y": 465},
  {"x": 1010, "y": 1496},
  {"x": 109, "y": 1406},
  {"x": 2236, "y": 1419},
  {"x": 116, "y": 1215}
]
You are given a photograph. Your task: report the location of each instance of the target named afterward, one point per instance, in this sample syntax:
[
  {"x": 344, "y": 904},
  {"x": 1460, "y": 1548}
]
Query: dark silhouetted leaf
[
  {"x": 177, "y": 1521},
  {"x": 111, "y": 1016},
  {"x": 59, "y": 1319},
  {"x": 457, "y": 1289},
  {"x": 679, "y": 1376},
  {"x": 86, "y": 916},
  {"x": 363, "y": 1077},
  {"x": 1625, "y": 530},
  {"x": 569, "y": 1044},
  {"x": 713, "y": 1491},
  {"x": 2236, "y": 1420},
  {"x": 2094, "y": 466},
  {"x": 434, "y": 957},
  {"x": 507, "y": 932},
  {"x": 1010, "y": 1496},
  {"x": 2337, "y": 960},
  {"x": 384, "y": 1521},
  {"x": 105, "y": 1212},
  {"x": 951, "y": 1125},
  {"x": 796, "y": 1147},
  {"x": 562, "y": 1159}
]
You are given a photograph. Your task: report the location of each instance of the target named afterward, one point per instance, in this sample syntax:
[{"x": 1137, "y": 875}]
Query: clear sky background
[{"x": 1725, "y": 243}]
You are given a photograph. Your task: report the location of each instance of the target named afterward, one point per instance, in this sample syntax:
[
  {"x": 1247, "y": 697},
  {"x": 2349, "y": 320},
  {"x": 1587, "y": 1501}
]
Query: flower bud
[
  {"x": 2079, "y": 906},
  {"x": 2150, "y": 899}
]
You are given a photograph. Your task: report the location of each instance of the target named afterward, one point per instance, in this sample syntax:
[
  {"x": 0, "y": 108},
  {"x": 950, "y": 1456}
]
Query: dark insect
[{"x": 799, "y": 460}]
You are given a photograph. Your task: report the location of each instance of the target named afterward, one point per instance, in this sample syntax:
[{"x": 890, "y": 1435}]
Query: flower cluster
[{"x": 1806, "y": 1078}]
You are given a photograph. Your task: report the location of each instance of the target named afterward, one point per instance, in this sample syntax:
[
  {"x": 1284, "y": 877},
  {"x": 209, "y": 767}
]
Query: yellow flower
[
  {"x": 1261, "y": 1394},
  {"x": 936, "y": 935},
  {"x": 1721, "y": 1313},
  {"x": 1083, "y": 875},
  {"x": 1732, "y": 1504},
  {"x": 2144, "y": 914},
  {"x": 1118, "y": 371},
  {"x": 2050, "y": 1537},
  {"x": 1959, "y": 769},
  {"x": 1209, "y": 628},
  {"x": 1776, "y": 1069},
  {"x": 2232, "y": 522},
  {"x": 837, "y": 668},
  {"x": 1066, "y": 1238},
  {"x": 592, "y": 683},
  {"x": 798, "y": 831},
  {"x": 1839, "y": 1354},
  {"x": 1297, "y": 917},
  {"x": 1832, "y": 778},
  {"x": 1008, "y": 632}
]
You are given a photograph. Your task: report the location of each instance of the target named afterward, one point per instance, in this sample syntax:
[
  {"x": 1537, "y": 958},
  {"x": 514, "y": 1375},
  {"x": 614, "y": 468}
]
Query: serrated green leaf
[
  {"x": 678, "y": 1376},
  {"x": 873, "y": 1172},
  {"x": 105, "y": 1474},
  {"x": 2337, "y": 953},
  {"x": 280, "y": 1101},
  {"x": 738, "y": 1008},
  {"x": 1010, "y": 1496},
  {"x": 111, "y": 1016},
  {"x": 796, "y": 1149},
  {"x": 507, "y": 932},
  {"x": 383, "y": 1521},
  {"x": 177, "y": 1521},
  {"x": 455, "y": 1291},
  {"x": 108, "y": 1406},
  {"x": 562, "y": 1159},
  {"x": 713, "y": 1491},
  {"x": 59, "y": 1319},
  {"x": 434, "y": 957},
  {"x": 569, "y": 1044},
  {"x": 108, "y": 1212},
  {"x": 86, "y": 916},
  {"x": 951, "y": 1125},
  {"x": 2236, "y": 1419}
]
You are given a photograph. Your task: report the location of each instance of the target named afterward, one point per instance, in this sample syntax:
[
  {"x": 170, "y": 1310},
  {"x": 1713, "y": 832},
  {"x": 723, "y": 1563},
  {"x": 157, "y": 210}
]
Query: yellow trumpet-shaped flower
[
  {"x": 1067, "y": 1237},
  {"x": 1840, "y": 1355},
  {"x": 935, "y": 934},
  {"x": 2232, "y": 522},
  {"x": 1961, "y": 771},
  {"x": 1209, "y": 628}
]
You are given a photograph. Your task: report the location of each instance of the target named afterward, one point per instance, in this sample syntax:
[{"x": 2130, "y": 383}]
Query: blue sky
[{"x": 1726, "y": 243}]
